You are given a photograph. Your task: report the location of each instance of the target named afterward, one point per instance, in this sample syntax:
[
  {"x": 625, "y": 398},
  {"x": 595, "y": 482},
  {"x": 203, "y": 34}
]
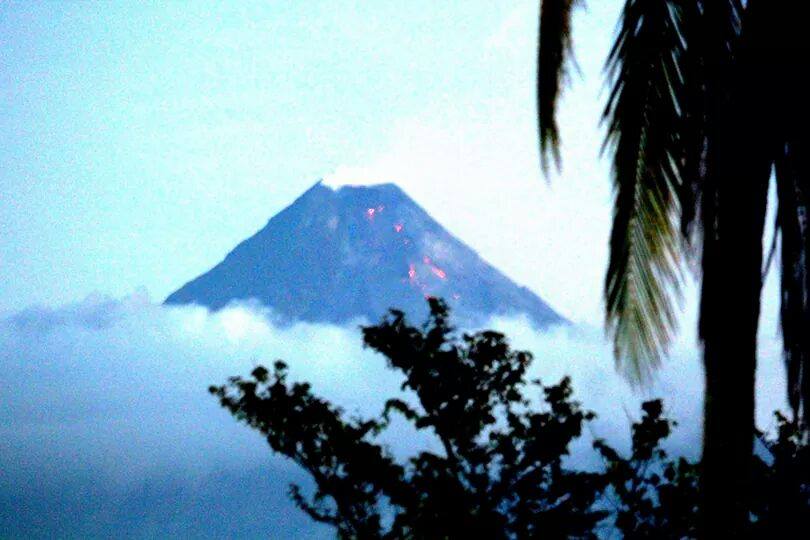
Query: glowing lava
[
  {"x": 412, "y": 273},
  {"x": 398, "y": 227},
  {"x": 371, "y": 212},
  {"x": 438, "y": 272}
]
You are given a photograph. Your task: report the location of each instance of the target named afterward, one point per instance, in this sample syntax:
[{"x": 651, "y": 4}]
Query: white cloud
[
  {"x": 345, "y": 175},
  {"x": 114, "y": 393}
]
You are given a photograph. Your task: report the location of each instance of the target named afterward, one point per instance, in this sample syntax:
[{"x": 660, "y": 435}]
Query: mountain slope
[{"x": 337, "y": 255}]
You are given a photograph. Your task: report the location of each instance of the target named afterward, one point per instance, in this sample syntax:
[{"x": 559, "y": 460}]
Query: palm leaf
[
  {"x": 643, "y": 116},
  {"x": 710, "y": 30},
  {"x": 554, "y": 53},
  {"x": 793, "y": 182},
  {"x": 784, "y": 35}
]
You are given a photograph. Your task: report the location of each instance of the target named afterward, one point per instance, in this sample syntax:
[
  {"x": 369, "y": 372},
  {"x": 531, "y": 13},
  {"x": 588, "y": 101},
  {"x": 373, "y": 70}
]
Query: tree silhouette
[
  {"x": 706, "y": 100},
  {"x": 500, "y": 471},
  {"x": 782, "y": 483},
  {"x": 651, "y": 495},
  {"x": 498, "y": 468}
]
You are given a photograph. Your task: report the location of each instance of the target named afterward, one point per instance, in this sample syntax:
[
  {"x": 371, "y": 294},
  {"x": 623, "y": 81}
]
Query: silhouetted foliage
[
  {"x": 651, "y": 495},
  {"x": 782, "y": 483},
  {"x": 705, "y": 108},
  {"x": 500, "y": 473},
  {"x": 499, "y": 468}
]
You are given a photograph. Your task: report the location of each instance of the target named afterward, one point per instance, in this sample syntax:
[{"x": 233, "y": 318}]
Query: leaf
[
  {"x": 554, "y": 54},
  {"x": 642, "y": 117}
]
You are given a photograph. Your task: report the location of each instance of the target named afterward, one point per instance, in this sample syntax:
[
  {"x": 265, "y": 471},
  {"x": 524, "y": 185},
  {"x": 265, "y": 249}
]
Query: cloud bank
[{"x": 107, "y": 426}]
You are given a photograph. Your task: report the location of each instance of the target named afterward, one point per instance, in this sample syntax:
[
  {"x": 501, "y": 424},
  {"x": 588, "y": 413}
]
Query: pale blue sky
[{"x": 141, "y": 142}]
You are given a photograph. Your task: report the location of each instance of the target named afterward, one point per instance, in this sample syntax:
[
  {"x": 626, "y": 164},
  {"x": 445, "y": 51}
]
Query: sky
[{"x": 140, "y": 142}]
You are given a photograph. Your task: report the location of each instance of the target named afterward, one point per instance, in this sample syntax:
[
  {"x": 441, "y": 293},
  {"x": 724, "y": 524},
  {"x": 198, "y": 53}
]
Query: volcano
[{"x": 337, "y": 255}]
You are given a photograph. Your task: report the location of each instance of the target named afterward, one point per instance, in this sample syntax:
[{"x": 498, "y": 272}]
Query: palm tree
[{"x": 706, "y": 104}]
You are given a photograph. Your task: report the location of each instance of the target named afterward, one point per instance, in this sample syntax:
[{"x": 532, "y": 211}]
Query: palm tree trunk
[
  {"x": 728, "y": 434},
  {"x": 730, "y": 309},
  {"x": 734, "y": 209}
]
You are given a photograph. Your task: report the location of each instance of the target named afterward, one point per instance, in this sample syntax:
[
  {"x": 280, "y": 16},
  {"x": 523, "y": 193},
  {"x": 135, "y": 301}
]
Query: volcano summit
[{"x": 335, "y": 255}]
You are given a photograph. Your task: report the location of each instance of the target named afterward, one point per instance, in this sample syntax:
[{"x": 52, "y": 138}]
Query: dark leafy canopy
[
  {"x": 782, "y": 497},
  {"x": 500, "y": 472},
  {"x": 651, "y": 495},
  {"x": 348, "y": 469},
  {"x": 705, "y": 98}
]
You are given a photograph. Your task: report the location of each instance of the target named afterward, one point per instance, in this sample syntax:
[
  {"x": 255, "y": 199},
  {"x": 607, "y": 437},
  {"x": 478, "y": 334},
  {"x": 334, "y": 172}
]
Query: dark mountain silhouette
[{"x": 340, "y": 254}]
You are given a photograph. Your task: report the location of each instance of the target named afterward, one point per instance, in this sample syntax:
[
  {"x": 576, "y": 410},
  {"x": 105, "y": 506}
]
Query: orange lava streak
[{"x": 371, "y": 212}]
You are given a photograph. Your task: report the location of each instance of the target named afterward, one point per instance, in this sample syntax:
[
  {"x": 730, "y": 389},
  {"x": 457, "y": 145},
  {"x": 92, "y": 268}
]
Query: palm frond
[
  {"x": 710, "y": 30},
  {"x": 793, "y": 183},
  {"x": 785, "y": 37},
  {"x": 554, "y": 54},
  {"x": 642, "y": 116}
]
